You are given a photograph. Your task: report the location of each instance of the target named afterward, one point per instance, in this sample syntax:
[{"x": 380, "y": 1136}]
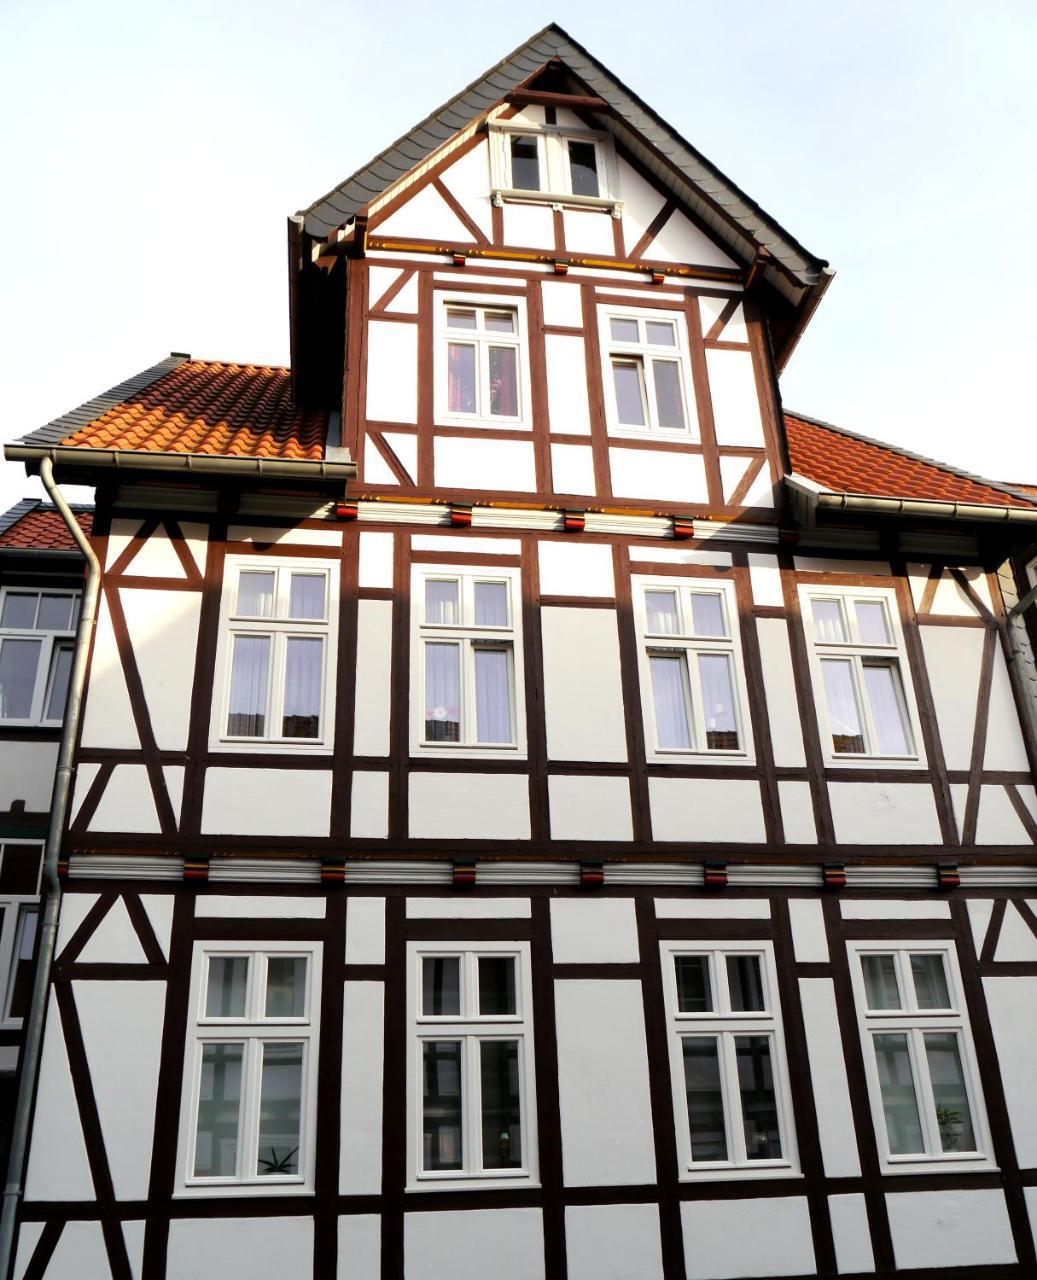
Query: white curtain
[
  {"x": 881, "y": 682},
  {"x": 491, "y": 604},
  {"x": 248, "y": 686},
  {"x": 671, "y": 709},
  {"x": 302, "y": 686},
  {"x": 442, "y": 692},
  {"x": 442, "y": 603},
  {"x": 492, "y": 696},
  {"x": 718, "y": 702},
  {"x": 707, "y": 612},
  {"x": 661, "y": 608},
  {"x": 306, "y": 598},
  {"x": 828, "y": 620},
  {"x": 256, "y": 595},
  {"x": 842, "y": 706}
]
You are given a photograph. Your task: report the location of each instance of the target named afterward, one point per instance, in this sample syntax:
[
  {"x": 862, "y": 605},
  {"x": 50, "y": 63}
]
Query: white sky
[{"x": 151, "y": 152}]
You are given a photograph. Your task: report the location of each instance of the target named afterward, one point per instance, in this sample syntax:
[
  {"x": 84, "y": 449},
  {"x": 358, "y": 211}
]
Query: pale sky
[{"x": 151, "y": 152}]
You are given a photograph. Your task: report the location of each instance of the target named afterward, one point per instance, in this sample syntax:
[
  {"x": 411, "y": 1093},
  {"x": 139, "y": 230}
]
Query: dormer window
[{"x": 553, "y": 165}]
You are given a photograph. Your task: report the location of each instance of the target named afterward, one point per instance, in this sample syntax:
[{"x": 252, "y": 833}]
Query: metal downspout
[
  {"x": 32, "y": 1038},
  {"x": 1020, "y": 657}
]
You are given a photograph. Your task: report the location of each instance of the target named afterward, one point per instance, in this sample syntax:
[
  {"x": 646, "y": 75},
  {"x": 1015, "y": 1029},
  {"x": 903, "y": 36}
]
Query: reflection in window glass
[
  {"x": 19, "y": 612},
  {"x": 54, "y": 613},
  {"x": 745, "y": 984},
  {"x": 280, "y": 1109},
  {"x": 24, "y": 960},
  {"x": 930, "y": 979},
  {"x": 628, "y": 379},
  {"x": 623, "y": 330},
  {"x": 460, "y": 377},
  {"x": 660, "y": 333},
  {"x": 19, "y": 660},
  {"x": 458, "y": 318},
  {"x": 219, "y": 1111},
  {"x": 880, "y": 982},
  {"x": 500, "y": 321},
  {"x": 882, "y": 685},
  {"x": 501, "y": 1104},
  {"x": 496, "y": 986},
  {"x": 670, "y": 700},
  {"x": 843, "y": 716},
  {"x": 705, "y": 1098},
  {"x": 953, "y": 1114},
  {"x": 441, "y": 1111},
  {"x": 583, "y": 168},
  {"x": 694, "y": 990},
  {"x": 440, "y": 986},
  {"x": 504, "y": 382},
  {"x": 286, "y": 986},
  {"x": 60, "y": 669},
  {"x": 227, "y": 987},
  {"x": 899, "y": 1100},
  {"x": 525, "y": 163},
  {"x": 668, "y": 400},
  {"x": 249, "y": 682},
  {"x": 759, "y": 1103}
]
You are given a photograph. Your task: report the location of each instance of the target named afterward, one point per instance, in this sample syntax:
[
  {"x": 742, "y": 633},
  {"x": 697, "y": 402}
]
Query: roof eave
[
  {"x": 70, "y": 458},
  {"x": 808, "y": 498}
]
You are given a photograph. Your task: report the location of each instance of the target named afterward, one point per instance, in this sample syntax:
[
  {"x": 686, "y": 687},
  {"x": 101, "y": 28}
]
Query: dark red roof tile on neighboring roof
[
  {"x": 846, "y": 463},
  {"x": 43, "y": 530},
  {"x": 206, "y": 406}
]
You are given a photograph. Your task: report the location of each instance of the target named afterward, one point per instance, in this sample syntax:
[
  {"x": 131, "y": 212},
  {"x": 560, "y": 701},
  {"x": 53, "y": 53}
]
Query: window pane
[
  {"x": 745, "y": 984},
  {"x": 461, "y": 319},
  {"x": 842, "y": 708},
  {"x": 441, "y": 1113},
  {"x": 663, "y": 617},
  {"x": 759, "y": 1105},
  {"x": 219, "y": 1106},
  {"x": 953, "y": 1114},
  {"x": 669, "y": 402},
  {"x": 249, "y": 679},
  {"x": 718, "y": 702},
  {"x": 880, "y": 982},
  {"x": 442, "y": 693},
  {"x": 54, "y": 613},
  {"x": 828, "y": 620},
  {"x": 18, "y": 662},
  {"x": 628, "y": 378},
  {"x": 694, "y": 990},
  {"x": 623, "y": 330},
  {"x": 872, "y": 622},
  {"x": 19, "y": 610},
  {"x": 669, "y": 695},
  {"x": 899, "y": 1103},
  {"x": 60, "y": 668},
  {"x": 503, "y": 382},
  {"x": 256, "y": 595},
  {"x": 440, "y": 986},
  {"x": 885, "y": 697},
  {"x": 496, "y": 986},
  {"x": 499, "y": 321},
  {"x": 227, "y": 986},
  {"x": 930, "y": 979},
  {"x": 460, "y": 378},
  {"x": 491, "y": 604},
  {"x": 442, "y": 603},
  {"x": 501, "y": 1104},
  {"x": 705, "y": 1098},
  {"x": 660, "y": 333},
  {"x": 24, "y": 961},
  {"x": 303, "y": 678},
  {"x": 525, "y": 163},
  {"x": 306, "y": 596},
  {"x": 583, "y": 168},
  {"x": 707, "y": 614},
  {"x": 280, "y": 1110},
  {"x": 286, "y": 986},
  {"x": 492, "y": 695}
]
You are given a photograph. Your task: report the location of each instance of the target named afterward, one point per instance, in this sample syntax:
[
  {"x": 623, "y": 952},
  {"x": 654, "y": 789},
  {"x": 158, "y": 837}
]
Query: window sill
[
  {"x": 737, "y": 1173},
  {"x": 875, "y": 762},
  {"x": 461, "y": 752},
  {"x": 264, "y": 746},
  {"x": 718, "y": 758},
  {"x": 472, "y": 1182},
  {"x": 556, "y": 199},
  {"x": 949, "y": 1164},
  {"x": 667, "y": 435},
  {"x": 234, "y": 1189},
  {"x": 482, "y": 424}
]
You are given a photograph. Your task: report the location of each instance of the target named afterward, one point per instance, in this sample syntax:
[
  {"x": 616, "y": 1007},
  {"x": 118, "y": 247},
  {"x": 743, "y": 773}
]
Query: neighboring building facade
[
  {"x": 540, "y": 808},
  {"x": 41, "y": 577}
]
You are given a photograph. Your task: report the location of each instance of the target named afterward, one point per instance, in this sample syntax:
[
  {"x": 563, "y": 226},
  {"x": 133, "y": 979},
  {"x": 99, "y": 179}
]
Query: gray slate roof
[{"x": 727, "y": 209}]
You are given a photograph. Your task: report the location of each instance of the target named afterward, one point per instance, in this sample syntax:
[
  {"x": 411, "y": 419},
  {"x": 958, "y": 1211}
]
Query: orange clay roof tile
[{"x": 43, "y": 530}]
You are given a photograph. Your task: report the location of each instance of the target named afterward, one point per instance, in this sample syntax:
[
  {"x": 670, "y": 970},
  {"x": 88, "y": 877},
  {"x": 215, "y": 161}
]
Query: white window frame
[
  {"x": 14, "y": 908},
  {"x": 482, "y": 340},
  {"x": 730, "y": 645},
  {"x": 50, "y": 643},
  {"x": 856, "y": 652},
  {"x": 913, "y": 1022},
  {"x": 469, "y": 637},
  {"x": 725, "y": 1025},
  {"x": 553, "y": 157},
  {"x": 471, "y": 1029},
  {"x": 281, "y": 629},
  {"x": 645, "y": 352},
  {"x": 253, "y": 1031}
]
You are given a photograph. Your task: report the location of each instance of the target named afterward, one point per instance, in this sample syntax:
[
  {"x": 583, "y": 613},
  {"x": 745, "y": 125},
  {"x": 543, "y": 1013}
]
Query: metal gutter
[
  {"x": 195, "y": 463},
  {"x": 809, "y": 497},
  {"x": 32, "y": 1029}
]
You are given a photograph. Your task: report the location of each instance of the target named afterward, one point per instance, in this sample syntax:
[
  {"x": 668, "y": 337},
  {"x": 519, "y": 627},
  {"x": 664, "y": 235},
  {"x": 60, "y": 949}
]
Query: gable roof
[
  {"x": 34, "y": 525},
  {"x": 736, "y": 219},
  {"x": 843, "y": 462}
]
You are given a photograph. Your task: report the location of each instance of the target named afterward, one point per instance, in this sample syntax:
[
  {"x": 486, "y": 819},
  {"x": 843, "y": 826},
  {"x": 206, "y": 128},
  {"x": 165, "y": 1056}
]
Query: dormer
[{"x": 548, "y": 155}]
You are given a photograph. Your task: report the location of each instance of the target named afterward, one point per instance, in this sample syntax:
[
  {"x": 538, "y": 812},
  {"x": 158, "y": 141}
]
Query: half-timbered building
[{"x": 541, "y": 809}]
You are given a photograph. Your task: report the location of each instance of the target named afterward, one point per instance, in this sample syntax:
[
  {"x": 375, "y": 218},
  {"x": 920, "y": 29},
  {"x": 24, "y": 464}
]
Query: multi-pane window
[
  {"x": 37, "y": 638},
  {"x": 20, "y": 864},
  {"x": 480, "y": 378},
  {"x": 552, "y": 163},
  {"x": 690, "y": 668},
  {"x": 646, "y": 370},
  {"x": 467, "y": 676},
  {"x": 251, "y": 1064},
  {"x": 471, "y": 1062},
  {"x": 727, "y": 1057},
  {"x": 918, "y": 1053},
  {"x": 277, "y": 645},
  {"x": 859, "y": 671}
]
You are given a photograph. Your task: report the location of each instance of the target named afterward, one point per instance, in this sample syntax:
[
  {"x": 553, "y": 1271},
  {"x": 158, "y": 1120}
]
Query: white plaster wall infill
[
  {"x": 680, "y": 240},
  {"x": 157, "y": 559},
  {"x": 702, "y": 809},
  {"x": 403, "y": 443},
  {"x": 736, "y": 402},
  {"x": 529, "y": 224},
  {"x": 465, "y": 179},
  {"x": 724, "y": 1239},
  {"x": 576, "y": 569},
  {"x": 163, "y": 631},
  {"x": 58, "y": 1167},
  {"x": 219, "y": 1248},
  {"x": 270, "y": 802},
  {"x": 133, "y": 1234},
  {"x": 373, "y": 666},
  {"x": 474, "y": 806},
  {"x": 613, "y": 1242},
  {"x": 583, "y": 690},
  {"x": 392, "y": 372},
  {"x": 426, "y": 213},
  {"x": 1030, "y": 1196},
  {"x": 1016, "y": 940},
  {"x": 28, "y": 1237},
  {"x": 365, "y": 931},
  {"x": 797, "y": 812},
  {"x": 360, "y": 1247},
  {"x": 244, "y": 907},
  {"x": 606, "y": 1112},
  {"x": 997, "y": 821},
  {"x": 950, "y": 1228},
  {"x": 587, "y": 231},
  {"x": 780, "y": 684},
  {"x": 980, "y": 910},
  {"x": 680, "y": 555},
  {"x": 122, "y": 1035},
  {"x": 572, "y": 469},
  {"x": 467, "y": 463},
  {"x": 563, "y": 304},
  {"x": 158, "y": 907},
  {"x": 375, "y": 560},
  {"x": 851, "y": 1233},
  {"x": 893, "y": 909},
  {"x": 1005, "y": 746},
  {"x": 115, "y": 940},
  {"x": 468, "y": 908},
  {"x": 712, "y": 909},
  {"x": 952, "y": 660},
  {"x": 360, "y": 1149},
  {"x": 654, "y": 473},
  {"x": 828, "y": 1073},
  {"x": 80, "y": 1252},
  {"x": 1010, "y": 1003},
  {"x": 174, "y": 779},
  {"x": 294, "y": 537},
  {"x": 446, "y": 544},
  {"x": 809, "y": 938},
  {"x": 884, "y": 813},
  {"x": 464, "y": 1244},
  {"x": 128, "y": 803},
  {"x": 566, "y": 386},
  {"x": 603, "y": 931},
  {"x": 589, "y": 808},
  {"x": 74, "y": 909},
  {"x": 369, "y": 811}
]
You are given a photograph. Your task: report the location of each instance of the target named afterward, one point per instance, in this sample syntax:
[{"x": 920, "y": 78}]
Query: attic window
[{"x": 545, "y": 164}]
